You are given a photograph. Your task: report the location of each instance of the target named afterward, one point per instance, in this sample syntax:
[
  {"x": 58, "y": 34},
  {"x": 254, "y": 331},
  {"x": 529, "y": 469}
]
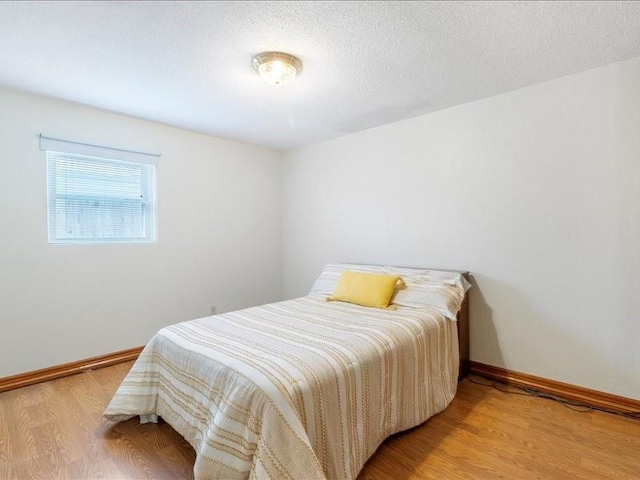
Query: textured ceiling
[{"x": 188, "y": 64}]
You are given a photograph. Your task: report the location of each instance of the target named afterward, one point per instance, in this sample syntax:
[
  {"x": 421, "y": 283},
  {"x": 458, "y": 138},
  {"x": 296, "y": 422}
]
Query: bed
[{"x": 305, "y": 388}]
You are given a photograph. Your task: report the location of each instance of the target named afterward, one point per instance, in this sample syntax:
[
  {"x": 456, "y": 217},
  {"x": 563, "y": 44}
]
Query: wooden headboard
[{"x": 463, "y": 334}]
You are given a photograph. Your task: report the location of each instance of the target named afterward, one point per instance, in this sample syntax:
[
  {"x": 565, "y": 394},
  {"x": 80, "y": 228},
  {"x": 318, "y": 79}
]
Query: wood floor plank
[
  {"x": 4, "y": 443},
  {"x": 56, "y": 430},
  {"x": 20, "y": 440},
  {"x": 103, "y": 469},
  {"x": 5, "y": 467}
]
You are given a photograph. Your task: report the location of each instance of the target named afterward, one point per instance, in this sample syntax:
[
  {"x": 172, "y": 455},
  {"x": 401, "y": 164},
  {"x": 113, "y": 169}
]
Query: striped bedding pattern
[{"x": 299, "y": 389}]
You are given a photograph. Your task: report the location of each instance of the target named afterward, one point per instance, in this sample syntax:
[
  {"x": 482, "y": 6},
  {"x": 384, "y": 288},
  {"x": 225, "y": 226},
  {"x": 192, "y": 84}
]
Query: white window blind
[{"x": 100, "y": 200}]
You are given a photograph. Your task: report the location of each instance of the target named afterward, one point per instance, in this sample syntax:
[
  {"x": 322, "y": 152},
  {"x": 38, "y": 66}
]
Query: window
[{"x": 100, "y": 200}]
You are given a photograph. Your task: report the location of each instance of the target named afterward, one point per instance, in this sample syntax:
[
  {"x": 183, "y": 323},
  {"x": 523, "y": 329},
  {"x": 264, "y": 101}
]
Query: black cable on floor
[{"x": 530, "y": 392}]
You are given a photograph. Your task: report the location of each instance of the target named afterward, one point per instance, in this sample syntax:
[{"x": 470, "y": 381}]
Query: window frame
[{"x": 147, "y": 184}]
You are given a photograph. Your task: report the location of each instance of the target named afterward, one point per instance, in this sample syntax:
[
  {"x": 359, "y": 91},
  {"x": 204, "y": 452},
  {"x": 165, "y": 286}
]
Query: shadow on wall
[
  {"x": 481, "y": 324},
  {"x": 546, "y": 340}
]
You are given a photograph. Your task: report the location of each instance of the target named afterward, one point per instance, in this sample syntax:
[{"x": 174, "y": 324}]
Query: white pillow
[
  {"x": 436, "y": 290},
  {"x": 328, "y": 280},
  {"x": 442, "y": 291}
]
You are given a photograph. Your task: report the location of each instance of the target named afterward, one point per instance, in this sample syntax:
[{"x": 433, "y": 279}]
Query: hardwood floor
[
  {"x": 55, "y": 430},
  {"x": 488, "y": 434}
]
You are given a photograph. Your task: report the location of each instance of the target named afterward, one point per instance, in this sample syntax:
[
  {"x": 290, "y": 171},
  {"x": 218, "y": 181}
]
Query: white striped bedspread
[{"x": 299, "y": 389}]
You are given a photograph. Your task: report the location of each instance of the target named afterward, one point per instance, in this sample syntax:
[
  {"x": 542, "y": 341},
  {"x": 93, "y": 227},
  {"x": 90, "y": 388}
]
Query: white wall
[
  {"x": 536, "y": 192},
  {"x": 219, "y": 238}
]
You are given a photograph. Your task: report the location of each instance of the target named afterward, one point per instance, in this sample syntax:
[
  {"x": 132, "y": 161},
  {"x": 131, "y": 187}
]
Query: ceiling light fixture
[{"x": 277, "y": 68}]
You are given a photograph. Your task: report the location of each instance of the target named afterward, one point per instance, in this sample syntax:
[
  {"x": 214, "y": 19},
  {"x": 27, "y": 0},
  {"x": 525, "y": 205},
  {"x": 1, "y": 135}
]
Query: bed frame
[{"x": 463, "y": 334}]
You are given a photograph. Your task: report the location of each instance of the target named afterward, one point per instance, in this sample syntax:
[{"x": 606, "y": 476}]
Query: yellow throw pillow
[{"x": 366, "y": 289}]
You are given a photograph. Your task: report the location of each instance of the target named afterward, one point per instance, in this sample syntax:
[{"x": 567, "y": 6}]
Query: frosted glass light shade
[{"x": 277, "y": 68}]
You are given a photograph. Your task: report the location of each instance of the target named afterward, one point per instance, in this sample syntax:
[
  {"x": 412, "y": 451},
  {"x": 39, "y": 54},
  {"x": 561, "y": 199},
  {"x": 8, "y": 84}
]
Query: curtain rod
[{"x": 42, "y": 137}]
